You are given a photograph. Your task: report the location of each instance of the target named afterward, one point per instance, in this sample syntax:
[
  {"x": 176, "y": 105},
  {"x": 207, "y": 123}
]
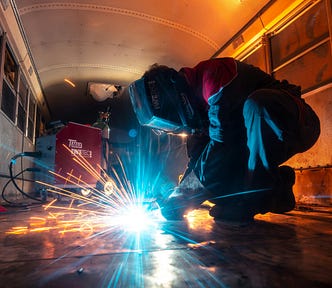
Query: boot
[
  {"x": 244, "y": 206},
  {"x": 284, "y": 200}
]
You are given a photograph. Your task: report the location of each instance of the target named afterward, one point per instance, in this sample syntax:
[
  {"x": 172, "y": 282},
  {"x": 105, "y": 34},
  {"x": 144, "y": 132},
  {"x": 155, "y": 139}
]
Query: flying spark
[{"x": 93, "y": 210}]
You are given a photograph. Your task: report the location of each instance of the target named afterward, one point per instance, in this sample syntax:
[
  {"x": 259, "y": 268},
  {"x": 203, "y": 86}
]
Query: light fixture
[
  {"x": 69, "y": 82},
  {"x": 102, "y": 91}
]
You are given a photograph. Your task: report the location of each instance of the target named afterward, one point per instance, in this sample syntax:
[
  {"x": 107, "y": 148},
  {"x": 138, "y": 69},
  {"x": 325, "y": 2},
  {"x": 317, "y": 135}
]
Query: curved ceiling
[{"x": 116, "y": 41}]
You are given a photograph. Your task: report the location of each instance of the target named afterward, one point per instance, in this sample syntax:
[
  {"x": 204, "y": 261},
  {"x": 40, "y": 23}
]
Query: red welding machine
[{"x": 60, "y": 150}]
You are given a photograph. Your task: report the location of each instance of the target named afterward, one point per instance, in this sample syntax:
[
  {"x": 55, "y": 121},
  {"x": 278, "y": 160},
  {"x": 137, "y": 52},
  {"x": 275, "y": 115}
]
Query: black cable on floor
[{"x": 12, "y": 204}]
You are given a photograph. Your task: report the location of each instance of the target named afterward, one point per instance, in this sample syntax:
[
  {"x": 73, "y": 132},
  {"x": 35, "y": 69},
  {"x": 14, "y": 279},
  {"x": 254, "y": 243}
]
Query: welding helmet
[{"x": 160, "y": 101}]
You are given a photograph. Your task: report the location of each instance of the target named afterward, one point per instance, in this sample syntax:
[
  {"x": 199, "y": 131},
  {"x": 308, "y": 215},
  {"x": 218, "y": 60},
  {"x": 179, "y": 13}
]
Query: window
[
  {"x": 301, "y": 52},
  {"x": 31, "y": 117},
  {"x": 23, "y": 93},
  {"x": 8, "y": 103},
  {"x": 10, "y": 68},
  {"x": 309, "y": 29},
  {"x": 8, "y": 99},
  {"x": 311, "y": 70},
  {"x": 39, "y": 123}
]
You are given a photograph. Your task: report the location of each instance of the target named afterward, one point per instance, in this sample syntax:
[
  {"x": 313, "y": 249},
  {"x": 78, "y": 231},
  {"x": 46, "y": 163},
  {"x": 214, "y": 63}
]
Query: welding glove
[{"x": 187, "y": 196}]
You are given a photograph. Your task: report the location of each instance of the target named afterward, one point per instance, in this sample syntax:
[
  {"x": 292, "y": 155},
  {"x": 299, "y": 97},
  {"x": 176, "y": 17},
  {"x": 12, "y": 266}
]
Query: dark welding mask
[{"x": 160, "y": 101}]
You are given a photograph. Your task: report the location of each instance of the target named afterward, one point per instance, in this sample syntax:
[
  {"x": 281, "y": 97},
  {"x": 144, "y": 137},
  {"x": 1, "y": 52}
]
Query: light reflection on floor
[{"x": 292, "y": 250}]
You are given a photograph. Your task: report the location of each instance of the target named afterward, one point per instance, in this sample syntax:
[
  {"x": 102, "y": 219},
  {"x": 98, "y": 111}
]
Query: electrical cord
[
  {"x": 12, "y": 204},
  {"x": 13, "y": 177},
  {"x": 27, "y": 154}
]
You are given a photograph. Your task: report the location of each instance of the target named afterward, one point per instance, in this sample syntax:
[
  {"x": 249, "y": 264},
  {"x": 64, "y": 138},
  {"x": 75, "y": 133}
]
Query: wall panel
[{"x": 312, "y": 70}]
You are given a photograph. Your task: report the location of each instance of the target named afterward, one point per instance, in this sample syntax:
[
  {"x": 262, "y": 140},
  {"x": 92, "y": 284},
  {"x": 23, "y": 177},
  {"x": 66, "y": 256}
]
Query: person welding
[{"x": 242, "y": 125}]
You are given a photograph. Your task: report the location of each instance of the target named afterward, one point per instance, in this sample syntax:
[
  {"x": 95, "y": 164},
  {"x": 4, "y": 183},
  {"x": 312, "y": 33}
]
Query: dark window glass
[
  {"x": 23, "y": 92},
  {"x": 30, "y": 129},
  {"x": 38, "y": 124},
  {"x": 21, "y": 118},
  {"x": 8, "y": 103},
  {"x": 31, "y": 118}
]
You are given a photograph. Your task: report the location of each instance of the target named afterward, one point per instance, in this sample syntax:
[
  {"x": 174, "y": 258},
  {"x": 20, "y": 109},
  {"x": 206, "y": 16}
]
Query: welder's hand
[
  {"x": 189, "y": 195},
  {"x": 181, "y": 201},
  {"x": 151, "y": 205}
]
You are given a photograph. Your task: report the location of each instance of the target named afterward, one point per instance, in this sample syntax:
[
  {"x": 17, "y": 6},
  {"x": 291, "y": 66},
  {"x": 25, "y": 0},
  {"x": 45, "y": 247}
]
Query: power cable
[{"x": 13, "y": 177}]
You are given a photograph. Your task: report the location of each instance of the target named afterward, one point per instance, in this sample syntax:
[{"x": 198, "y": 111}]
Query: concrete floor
[{"x": 293, "y": 250}]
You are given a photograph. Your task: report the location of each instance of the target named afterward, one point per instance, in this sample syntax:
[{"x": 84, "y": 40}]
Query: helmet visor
[{"x": 155, "y": 104}]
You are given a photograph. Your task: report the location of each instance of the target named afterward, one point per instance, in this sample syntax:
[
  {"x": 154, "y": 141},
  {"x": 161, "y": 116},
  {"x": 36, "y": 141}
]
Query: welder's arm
[
  {"x": 219, "y": 111},
  {"x": 195, "y": 146}
]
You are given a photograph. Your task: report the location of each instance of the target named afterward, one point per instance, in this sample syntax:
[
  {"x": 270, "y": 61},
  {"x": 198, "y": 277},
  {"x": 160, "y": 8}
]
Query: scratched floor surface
[{"x": 293, "y": 250}]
